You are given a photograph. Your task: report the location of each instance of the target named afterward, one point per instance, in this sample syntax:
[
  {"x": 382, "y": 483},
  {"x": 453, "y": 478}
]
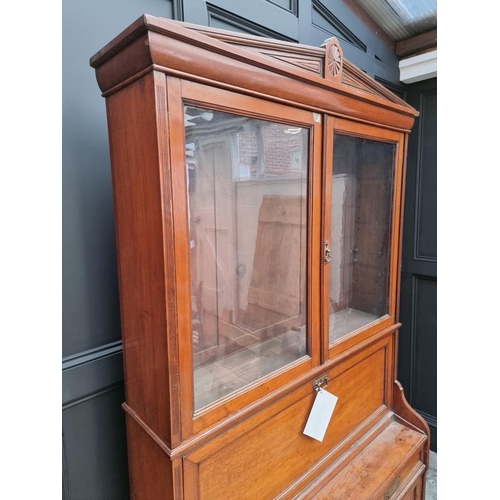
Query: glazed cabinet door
[
  {"x": 362, "y": 193},
  {"x": 250, "y": 171}
]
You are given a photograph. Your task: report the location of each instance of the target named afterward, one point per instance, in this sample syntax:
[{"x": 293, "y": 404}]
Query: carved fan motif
[{"x": 335, "y": 60}]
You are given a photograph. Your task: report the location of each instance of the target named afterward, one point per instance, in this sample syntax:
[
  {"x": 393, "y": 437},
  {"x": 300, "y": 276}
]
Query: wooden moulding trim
[
  {"x": 325, "y": 476},
  {"x": 358, "y": 336},
  {"x": 255, "y": 41},
  {"x": 119, "y": 42},
  {"x": 217, "y": 414},
  {"x": 288, "y": 102},
  {"x": 337, "y": 458},
  {"x": 411, "y": 480},
  {"x": 342, "y": 462},
  {"x": 371, "y": 84},
  {"x": 184, "y": 59},
  {"x": 281, "y": 48},
  {"x": 250, "y": 425},
  {"x": 219, "y": 429},
  {"x": 415, "y": 472},
  {"x": 326, "y": 228},
  {"x": 132, "y": 79},
  {"x": 170, "y": 230},
  {"x": 152, "y": 434},
  {"x": 401, "y": 225},
  {"x": 229, "y": 422}
]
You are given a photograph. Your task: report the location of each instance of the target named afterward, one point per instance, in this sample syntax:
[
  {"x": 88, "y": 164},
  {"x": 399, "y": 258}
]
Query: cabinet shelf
[{"x": 347, "y": 321}]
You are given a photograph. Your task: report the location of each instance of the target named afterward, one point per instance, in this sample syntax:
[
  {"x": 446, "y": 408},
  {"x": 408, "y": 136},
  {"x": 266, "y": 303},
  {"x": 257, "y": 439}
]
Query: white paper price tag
[{"x": 321, "y": 414}]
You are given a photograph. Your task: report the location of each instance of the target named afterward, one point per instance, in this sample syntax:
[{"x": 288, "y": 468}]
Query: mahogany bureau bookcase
[{"x": 258, "y": 189}]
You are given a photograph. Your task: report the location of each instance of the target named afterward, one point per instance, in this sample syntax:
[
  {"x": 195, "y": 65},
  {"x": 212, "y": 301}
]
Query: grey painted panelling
[
  {"x": 312, "y": 27},
  {"x": 264, "y": 14},
  {"x": 378, "y": 60},
  {"x": 195, "y": 11},
  {"x": 426, "y": 237},
  {"x": 90, "y": 290},
  {"x": 178, "y": 10},
  {"x": 322, "y": 18},
  {"x": 290, "y": 5},
  {"x": 94, "y": 447},
  {"x": 91, "y": 371},
  {"x": 349, "y": 19},
  {"x": 424, "y": 353},
  {"x": 222, "y": 19},
  {"x": 398, "y": 88},
  {"x": 417, "y": 361}
]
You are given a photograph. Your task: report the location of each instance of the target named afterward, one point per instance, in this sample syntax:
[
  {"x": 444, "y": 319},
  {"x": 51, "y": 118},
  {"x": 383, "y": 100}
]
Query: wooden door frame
[
  {"x": 355, "y": 129},
  {"x": 183, "y": 91}
]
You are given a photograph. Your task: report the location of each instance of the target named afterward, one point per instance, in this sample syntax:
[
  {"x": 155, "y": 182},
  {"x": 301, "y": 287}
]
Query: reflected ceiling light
[
  {"x": 292, "y": 130},
  {"x": 204, "y": 115},
  {"x": 207, "y": 115},
  {"x": 187, "y": 122}
]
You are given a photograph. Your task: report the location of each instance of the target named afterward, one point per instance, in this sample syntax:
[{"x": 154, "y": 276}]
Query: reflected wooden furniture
[{"x": 258, "y": 193}]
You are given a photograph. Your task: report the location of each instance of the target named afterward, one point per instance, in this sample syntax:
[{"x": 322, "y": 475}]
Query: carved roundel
[{"x": 335, "y": 60}]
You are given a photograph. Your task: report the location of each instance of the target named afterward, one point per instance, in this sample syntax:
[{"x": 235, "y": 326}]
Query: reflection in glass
[
  {"x": 247, "y": 185},
  {"x": 361, "y": 233}
]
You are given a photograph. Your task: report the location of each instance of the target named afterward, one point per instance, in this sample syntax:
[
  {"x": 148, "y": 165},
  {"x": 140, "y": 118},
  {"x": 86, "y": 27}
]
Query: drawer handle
[{"x": 392, "y": 489}]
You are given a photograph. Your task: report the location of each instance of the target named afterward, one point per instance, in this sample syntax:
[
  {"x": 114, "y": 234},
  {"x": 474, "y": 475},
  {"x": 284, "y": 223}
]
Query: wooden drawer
[
  {"x": 415, "y": 493},
  {"x": 268, "y": 456},
  {"x": 389, "y": 468},
  {"x": 412, "y": 487}
]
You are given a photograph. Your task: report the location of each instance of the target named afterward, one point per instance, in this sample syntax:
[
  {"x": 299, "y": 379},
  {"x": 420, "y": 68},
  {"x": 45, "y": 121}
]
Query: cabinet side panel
[
  {"x": 151, "y": 471},
  {"x": 132, "y": 125}
]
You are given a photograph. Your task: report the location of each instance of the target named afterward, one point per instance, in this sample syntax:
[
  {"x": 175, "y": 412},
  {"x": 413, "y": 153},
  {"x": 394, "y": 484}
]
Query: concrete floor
[{"x": 431, "y": 486}]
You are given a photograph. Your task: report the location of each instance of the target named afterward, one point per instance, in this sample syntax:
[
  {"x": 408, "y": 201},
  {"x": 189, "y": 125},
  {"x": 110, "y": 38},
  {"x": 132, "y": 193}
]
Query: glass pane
[
  {"x": 247, "y": 183},
  {"x": 361, "y": 233}
]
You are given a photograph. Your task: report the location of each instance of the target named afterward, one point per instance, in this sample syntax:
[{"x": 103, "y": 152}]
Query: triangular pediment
[
  {"x": 357, "y": 79},
  {"x": 314, "y": 65},
  {"x": 326, "y": 62},
  {"x": 311, "y": 59}
]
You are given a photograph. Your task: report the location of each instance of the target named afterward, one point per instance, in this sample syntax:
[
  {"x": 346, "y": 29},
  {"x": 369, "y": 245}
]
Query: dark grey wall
[
  {"x": 94, "y": 443},
  {"x": 417, "y": 369},
  {"x": 90, "y": 300}
]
